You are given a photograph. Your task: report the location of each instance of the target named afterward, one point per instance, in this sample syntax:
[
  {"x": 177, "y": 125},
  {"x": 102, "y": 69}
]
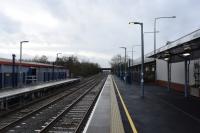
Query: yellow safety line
[{"x": 126, "y": 110}]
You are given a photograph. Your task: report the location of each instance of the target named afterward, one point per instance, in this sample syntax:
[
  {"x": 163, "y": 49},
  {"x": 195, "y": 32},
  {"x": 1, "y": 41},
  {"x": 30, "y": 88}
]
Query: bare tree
[{"x": 42, "y": 59}]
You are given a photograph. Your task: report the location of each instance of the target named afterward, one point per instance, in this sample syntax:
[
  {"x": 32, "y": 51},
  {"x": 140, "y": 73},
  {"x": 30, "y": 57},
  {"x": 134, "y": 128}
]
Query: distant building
[{"x": 31, "y": 72}]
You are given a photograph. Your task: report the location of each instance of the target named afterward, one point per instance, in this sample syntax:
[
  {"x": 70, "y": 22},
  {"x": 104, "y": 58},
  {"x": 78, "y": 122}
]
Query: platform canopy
[{"x": 186, "y": 47}]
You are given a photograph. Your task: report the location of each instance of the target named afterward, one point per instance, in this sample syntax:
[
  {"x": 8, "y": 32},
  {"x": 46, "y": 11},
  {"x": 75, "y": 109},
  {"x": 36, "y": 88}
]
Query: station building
[
  {"x": 14, "y": 74},
  {"x": 175, "y": 65}
]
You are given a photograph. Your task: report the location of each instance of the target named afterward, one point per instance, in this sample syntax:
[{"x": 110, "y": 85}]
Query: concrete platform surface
[
  {"x": 105, "y": 117},
  {"x": 160, "y": 111},
  {"x": 12, "y": 92}
]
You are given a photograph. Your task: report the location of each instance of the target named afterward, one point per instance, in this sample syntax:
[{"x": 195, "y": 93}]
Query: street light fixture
[
  {"x": 124, "y": 63},
  {"x": 142, "y": 55},
  {"x": 155, "y": 21},
  {"x": 20, "y": 60}
]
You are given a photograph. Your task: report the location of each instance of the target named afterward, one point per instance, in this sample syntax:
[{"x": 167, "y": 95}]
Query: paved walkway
[
  {"x": 12, "y": 92},
  {"x": 105, "y": 117},
  {"x": 160, "y": 111}
]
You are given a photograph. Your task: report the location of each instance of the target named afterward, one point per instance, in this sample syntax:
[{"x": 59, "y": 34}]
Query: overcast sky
[{"x": 93, "y": 30}]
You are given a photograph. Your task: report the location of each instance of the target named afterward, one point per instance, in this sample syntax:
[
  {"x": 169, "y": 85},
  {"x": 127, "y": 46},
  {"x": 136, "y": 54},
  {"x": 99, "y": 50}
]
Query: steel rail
[
  {"x": 7, "y": 127},
  {"x": 60, "y": 115},
  {"x": 82, "y": 123}
]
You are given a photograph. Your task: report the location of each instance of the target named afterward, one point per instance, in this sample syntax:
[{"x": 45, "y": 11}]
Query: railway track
[
  {"x": 35, "y": 117},
  {"x": 59, "y": 90},
  {"x": 73, "y": 117},
  {"x": 19, "y": 113}
]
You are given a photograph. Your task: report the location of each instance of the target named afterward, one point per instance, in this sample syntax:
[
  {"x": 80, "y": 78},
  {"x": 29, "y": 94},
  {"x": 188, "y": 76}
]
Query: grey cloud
[
  {"x": 8, "y": 25},
  {"x": 101, "y": 26}
]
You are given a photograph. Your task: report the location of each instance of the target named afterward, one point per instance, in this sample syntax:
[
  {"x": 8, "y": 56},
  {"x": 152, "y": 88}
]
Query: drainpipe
[
  {"x": 169, "y": 74},
  {"x": 186, "y": 78}
]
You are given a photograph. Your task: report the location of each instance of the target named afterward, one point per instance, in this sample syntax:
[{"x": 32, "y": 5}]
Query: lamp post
[
  {"x": 120, "y": 60},
  {"x": 56, "y": 63},
  {"x": 57, "y": 55},
  {"x": 21, "y": 49},
  {"x": 142, "y": 55},
  {"x": 131, "y": 55},
  {"x": 124, "y": 63},
  {"x": 131, "y": 64},
  {"x": 20, "y": 60},
  {"x": 155, "y": 21}
]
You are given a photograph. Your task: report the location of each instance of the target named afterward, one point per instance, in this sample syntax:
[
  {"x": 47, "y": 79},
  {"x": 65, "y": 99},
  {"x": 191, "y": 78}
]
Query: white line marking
[{"x": 91, "y": 116}]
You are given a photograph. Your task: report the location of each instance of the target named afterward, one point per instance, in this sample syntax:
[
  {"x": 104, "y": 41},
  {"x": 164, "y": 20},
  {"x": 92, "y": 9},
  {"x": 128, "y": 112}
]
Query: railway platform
[
  {"x": 105, "y": 117},
  {"x": 31, "y": 91},
  {"x": 159, "y": 111}
]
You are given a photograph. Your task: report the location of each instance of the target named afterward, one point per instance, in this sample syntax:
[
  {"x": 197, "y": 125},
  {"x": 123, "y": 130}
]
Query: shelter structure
[{"x": 184, "y": 53}]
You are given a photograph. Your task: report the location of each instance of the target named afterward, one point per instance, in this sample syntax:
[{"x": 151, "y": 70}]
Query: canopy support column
[
  {"x": 186, "y": 91},
  {"x": 169, "y": 75}
]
